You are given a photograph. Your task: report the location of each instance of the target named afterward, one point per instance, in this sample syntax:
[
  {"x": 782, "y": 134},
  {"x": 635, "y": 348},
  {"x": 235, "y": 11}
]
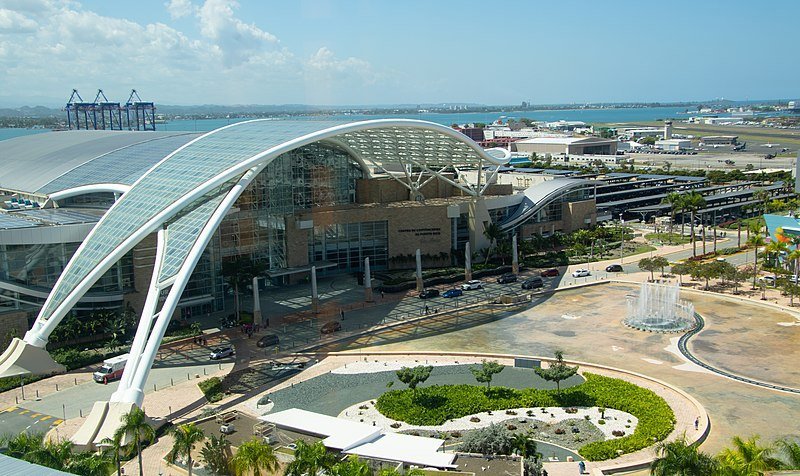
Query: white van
[{"x": 112, "y": 369}]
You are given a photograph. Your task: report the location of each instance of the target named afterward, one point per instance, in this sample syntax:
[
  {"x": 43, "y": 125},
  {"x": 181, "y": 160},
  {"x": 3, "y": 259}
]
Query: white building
[
  {"x": 674, "y": 145},
  {"x": 723, "y": 120}
]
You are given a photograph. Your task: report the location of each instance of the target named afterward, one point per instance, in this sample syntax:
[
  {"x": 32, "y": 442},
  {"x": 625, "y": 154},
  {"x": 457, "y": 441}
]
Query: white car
[
  {"x": 473, "y": 284},
  {"x": 580, "y": 273}
]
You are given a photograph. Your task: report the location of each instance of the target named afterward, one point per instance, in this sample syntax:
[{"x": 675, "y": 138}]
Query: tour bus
[{"x": 112, "y": 369}]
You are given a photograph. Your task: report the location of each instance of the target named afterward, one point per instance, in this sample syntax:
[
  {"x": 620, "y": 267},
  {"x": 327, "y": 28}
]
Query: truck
[{"x": 111, "y": 369}]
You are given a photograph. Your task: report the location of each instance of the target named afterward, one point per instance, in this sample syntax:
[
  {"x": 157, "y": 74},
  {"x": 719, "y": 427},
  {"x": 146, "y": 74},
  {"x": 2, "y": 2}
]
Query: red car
[{"x": 549, "y": 273}]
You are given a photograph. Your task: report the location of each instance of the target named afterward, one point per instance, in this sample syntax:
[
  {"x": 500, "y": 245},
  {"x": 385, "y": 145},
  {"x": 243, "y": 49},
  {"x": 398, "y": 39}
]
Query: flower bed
[{"x": 437, "y": 404}]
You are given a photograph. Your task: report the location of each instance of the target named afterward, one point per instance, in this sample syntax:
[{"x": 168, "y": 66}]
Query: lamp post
[{"x": 622, "y": 237}]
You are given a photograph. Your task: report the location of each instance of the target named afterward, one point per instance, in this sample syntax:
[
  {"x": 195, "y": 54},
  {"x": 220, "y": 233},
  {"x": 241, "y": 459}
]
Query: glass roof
[
  {"x": 8, "y": 221},
  {"x": 123, "y": 165},
  {"x": 223, "y": 149}
]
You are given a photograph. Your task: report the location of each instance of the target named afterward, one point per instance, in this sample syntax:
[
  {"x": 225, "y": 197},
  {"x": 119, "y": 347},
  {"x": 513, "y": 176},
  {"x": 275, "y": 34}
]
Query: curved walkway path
[{"x": 682, "y": 346}]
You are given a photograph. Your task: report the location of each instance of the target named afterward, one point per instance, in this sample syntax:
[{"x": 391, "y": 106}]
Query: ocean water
[{"x": 587, "y": 115}]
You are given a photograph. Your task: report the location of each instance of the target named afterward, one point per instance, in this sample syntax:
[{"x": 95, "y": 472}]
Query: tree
[
  {"x": 525, "y": 445},
  {"x": 557, "y": 371},
  {"x": 790, "y": 453},
  {"x": 185, "y": 437},
  {"x": 748, "y": 458},
  {"x": 238, "y": 273},
  {"x": 775, "y": 249},
  {"x": 693, "y": 202},
  {"x": 675, "y": 201},
  {"x": 660, "y": 262},
  {"x": 310, "y": 459},
  {"x": 678, "y": 458},
  {"x": 493, "y": 233},
  {"x": 114, "y": 444},
  {"x": 494, "y": 439},
  {"x": 683, "y": 268},
  {"x": 216, "y": 453},
  {"x": 90, "y": 464},
  {"x": 134, "y": 425},
  {"x": 253, "y": 457},
  {"x": 756, "y": 241},
  {"x": 792, "y": 289},
  {"x": 646, "y": 264},
  {"x": 486, "y": 371},
  {"x": 413, "y": 376},
  {"x": 351, "y": 466}
]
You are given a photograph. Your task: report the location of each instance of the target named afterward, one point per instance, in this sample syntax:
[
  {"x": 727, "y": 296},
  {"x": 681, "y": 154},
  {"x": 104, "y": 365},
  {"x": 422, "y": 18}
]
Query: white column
[
  {"x": 367, "y": 281},
  {"x": 314, "y": 295},
  {"x": 419, "y": 271},
  {"x": 467, "y": 262},
  {"x": 257, "y": 317},
  {"x": 514, "y": 256}
]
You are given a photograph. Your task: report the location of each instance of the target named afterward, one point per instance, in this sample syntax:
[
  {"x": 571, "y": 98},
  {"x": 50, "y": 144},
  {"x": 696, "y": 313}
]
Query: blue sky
[{"x": 410, "y": 51}]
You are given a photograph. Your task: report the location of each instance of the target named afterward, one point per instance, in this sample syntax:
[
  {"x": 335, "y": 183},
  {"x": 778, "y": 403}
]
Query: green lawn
[{"x": 667, "y": 238}]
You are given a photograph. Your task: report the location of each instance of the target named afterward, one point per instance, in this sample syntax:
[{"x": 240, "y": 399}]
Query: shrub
[
  {"x": 455, "y": 434},
  {"x": 618, "y": 433},
  {"x": 510, "y": 412},
  {"x": 494, "y": 439},
  {"x": 212, "y": 389},
  {"x": 601, "y": 422},
  {"x": 511, "y": 427},
  {"x": 395, "y": 425},
  {"x": 571, "y": 410},
  {"x": 559, "y": 431},
  {"x": 363, "y": 407},
  {"x": 474, "y": 419}
]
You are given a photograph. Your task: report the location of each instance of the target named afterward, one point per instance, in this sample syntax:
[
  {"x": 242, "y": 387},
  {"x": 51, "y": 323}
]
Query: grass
[{"x": 667, "y": 238}]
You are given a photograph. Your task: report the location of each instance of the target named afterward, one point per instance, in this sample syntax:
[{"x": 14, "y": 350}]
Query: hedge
[
  {"x": 437, "y": 404},
  {"x": 212, "y": 389}
]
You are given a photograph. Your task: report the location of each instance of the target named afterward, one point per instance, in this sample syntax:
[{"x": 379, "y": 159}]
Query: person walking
[
  {"x": 697, "y": 423},
  {"x": 341, "y": 313},
  {"x": 581, "y": 467}
]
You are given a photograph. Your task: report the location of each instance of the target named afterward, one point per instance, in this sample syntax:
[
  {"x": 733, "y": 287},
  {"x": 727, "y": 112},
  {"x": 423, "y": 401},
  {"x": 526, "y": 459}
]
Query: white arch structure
[{"x": 185, "y": 196}]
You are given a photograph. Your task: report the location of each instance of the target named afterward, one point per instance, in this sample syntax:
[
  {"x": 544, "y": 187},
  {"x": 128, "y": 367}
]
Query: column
[
  {"x": 514, "y": 255},
  {"x": 314, "y": 295},
  {"x": 467, "y": 262},
  {"x": 257, "y": 318},
  {"x": 367, "y": 281},
  {"x": 419, "y": 271}
]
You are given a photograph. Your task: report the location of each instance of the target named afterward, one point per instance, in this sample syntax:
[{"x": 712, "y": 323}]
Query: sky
[{"x": 377, "y": 52}]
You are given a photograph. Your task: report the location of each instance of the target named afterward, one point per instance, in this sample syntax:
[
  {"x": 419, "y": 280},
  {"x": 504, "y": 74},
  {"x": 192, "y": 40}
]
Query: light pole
[{"x": 622, "y": 237}]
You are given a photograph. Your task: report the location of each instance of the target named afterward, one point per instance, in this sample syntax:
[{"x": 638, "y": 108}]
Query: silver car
[
  {"x": 221, "y": 353},
  {"x": 472, "y": 284}
]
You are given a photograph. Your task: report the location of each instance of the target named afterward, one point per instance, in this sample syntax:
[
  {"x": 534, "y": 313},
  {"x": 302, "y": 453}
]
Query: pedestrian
[
  {"x": 697, "y": 423},
  {"x": 341, "y": 313},
  {"x": 544, "y": 472},
  {"x": 426, "y": 309},
  {"x": 381, "y": 293},
  {"x": 582, "y": 467}
]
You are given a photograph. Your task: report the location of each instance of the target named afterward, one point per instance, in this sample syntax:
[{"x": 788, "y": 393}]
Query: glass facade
[{"x": 347, "y": 245}]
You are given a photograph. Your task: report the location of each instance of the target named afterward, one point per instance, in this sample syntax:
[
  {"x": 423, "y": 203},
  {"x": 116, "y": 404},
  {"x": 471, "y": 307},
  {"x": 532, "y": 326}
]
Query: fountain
[{"x": 658, "y": 308}]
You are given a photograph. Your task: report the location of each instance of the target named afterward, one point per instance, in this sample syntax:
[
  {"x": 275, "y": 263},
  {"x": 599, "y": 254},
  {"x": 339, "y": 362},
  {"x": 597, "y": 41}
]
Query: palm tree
[
  {"x": 309, "y": 460},
  {"x": 493, "y": 233},
  {"x": 134, "y": 425},
  {"x": 115, "y": 445},
  {"x": 790, "y": 450},
  {"x": 756, "y": 241},
  {"x": 693, "y": 202},
  {"x": 254, "y": 456},
  {"x": 53, "y": 455},
  {"x": 352, "y": 466},
  {"x": 747, "y": 458},
  {"x": 775, "y": 248},
  {"x": 675, "y": 200},
  {"x": 524, "y": 444},
  {"x": 90, "y": 464},
  {"x": 186, "y": 436},
  {"x": 678, "y": 458}
]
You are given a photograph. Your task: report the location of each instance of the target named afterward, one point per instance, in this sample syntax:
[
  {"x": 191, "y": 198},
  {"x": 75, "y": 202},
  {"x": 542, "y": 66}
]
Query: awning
[{"x": 274, "y": 273}]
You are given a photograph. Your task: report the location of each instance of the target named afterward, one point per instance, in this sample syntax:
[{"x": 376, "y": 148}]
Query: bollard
[
  {"x": 154, "y": 387},
  {"x": 170, "y": 410},
  {"x": 204, "y": 371},
  {"x": 220, "y": 365},
  {"x": 64, "y": 409},
  {"x": 37, "y": 393},
  {"x": 172, "y": 382},
  {"x": 76, "y": 380},
  {"x": 56, "y": 387},
  {"x": 80, "y": 412},
  {"x": 16, "y": 399},
  {"x": 187, "y": 376}
]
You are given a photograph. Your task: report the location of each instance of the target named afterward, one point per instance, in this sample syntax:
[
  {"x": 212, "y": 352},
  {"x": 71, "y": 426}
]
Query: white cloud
[
  {"x": 180, "y": 8},
  {"x": 48, "y": 50}
]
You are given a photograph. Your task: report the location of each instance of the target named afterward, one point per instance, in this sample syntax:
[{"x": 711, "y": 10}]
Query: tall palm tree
[
  {"x": 679, "y": 458},
  {"x": 493, "y": 233},
  {"x": 675, "y": 201},
  {"x": 186, "y": 436},
  {"x": 756, "y": 241},
  {"x": 775, "y": 248},
  {"x": 114, "y": 445},
  {"x": 309, "y": 460},
  {"x": 90, "y": 464},
  {"x": 134, "y": 425},
  {"x": 747, "y": 458},
  {"x": 693, "y": 202},
  {"x": 254, "y": 456}
]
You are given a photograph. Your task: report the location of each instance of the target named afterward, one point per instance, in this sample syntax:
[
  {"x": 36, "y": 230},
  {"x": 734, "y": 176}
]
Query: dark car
[
  {"x": 451, "y": 293},
  {"x": 268, "y": 340},
  {"x": 614, "y": 268},
  {"x": 533, "y": 283},
  {"x": 549, "y": 273},
  {"x": 428, "y": 293},
  {"x": 331, "y": 327},
  {"x": 507, "y": 278}
]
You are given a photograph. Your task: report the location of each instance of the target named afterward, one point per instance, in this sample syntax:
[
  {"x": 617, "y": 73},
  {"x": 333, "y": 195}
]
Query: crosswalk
[{"x": 36, "y": 417}]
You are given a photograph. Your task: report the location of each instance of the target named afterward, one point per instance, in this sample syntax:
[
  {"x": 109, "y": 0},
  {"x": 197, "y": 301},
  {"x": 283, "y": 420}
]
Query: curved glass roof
[{"x": 221, "y": 155}]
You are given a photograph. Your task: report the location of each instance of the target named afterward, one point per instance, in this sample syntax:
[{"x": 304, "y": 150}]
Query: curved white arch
[{"x": 93, "y": 188}]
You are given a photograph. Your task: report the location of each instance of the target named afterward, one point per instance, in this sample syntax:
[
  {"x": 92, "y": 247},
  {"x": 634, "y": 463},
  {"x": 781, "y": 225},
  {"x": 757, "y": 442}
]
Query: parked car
[
  {"x": 533, "y": 283},
  {"x": 614, "y": 268},
  {"x": 549, "y": 273},
  {"x": 268, "y": 340},
  {"x": 451, "y": 293},
  {"x": 221, "y": 352},
  {"x": 472, "y": 284},
  {"x": 768, "y": 280},
  {"x": 507, "y": 278},
  {"x": 331, "y": 327},
  {"x": 580, "y": 273},
  {"x": 428, "y": 293}
]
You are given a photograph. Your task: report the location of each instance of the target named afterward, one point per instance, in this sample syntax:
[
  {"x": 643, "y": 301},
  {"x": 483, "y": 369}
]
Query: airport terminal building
[{"x": 101, "y": 219}]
